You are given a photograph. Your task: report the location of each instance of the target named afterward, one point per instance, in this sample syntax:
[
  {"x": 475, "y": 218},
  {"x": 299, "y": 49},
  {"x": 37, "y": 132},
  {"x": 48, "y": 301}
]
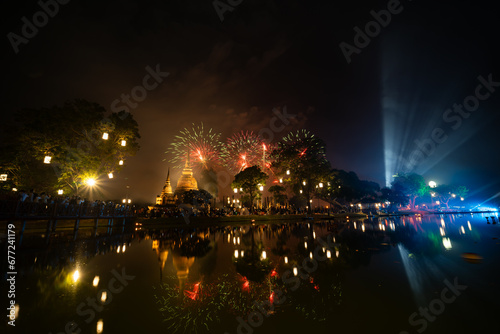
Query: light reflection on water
[{"x": 299, "y": 276}]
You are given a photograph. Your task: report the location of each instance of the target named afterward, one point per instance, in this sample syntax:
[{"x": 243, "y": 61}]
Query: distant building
[
  {"x": 167, "y": 196},
  {"x": 185, "y": 183}
]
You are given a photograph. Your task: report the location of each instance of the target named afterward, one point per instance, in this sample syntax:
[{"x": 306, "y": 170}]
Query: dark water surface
[{"x": 394, "y": 275}]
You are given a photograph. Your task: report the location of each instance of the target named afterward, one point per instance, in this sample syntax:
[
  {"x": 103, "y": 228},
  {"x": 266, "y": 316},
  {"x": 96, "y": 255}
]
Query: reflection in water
[
  {"x": 447, "y": 243},
  {"x": 196, "y": 301},
  {"x": 100, "y": 326},
  {"x": 209, "y": 276},
  {"x": 54, "y": 278},
  {"x": 262, "y": 254},
  {"x": 95, "y": 282},
  {"x": 76, "y": 275},
  {"x": 104, "y": 296}
]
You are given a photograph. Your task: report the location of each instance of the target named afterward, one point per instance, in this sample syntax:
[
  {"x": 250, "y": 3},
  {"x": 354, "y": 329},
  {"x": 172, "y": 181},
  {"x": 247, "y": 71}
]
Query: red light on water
[
  {"x": 271, "y": 297},
  {"x": 195, "y": 294}
]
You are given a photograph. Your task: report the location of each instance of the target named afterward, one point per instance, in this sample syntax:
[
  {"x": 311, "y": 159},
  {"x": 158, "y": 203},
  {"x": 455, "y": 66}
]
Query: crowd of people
[
  {"x": 31, "y": 202},
  {"x": 43, "y": 200},
  {"x": 183, "y": 210}
]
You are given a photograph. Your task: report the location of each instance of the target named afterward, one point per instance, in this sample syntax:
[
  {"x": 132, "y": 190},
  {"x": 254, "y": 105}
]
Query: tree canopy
[
  {"x": 278, "y": 193},
  {"x": 412, "y": 185},
  {"x": 300, "y": 157},
  {"x": 447, "y": 192},
  {"x": 249, "y": 180},
  {"x": 72, "y": 137},
  {"x": 196, "y": 197}
]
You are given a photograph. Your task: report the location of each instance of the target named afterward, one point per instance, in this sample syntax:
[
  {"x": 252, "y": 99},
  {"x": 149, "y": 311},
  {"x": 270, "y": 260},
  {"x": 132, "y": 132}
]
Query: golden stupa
[
  {"x": 186, "y": 181},
  {"x": 182, "y": 265},
  {"x": 167, "y": 195}
]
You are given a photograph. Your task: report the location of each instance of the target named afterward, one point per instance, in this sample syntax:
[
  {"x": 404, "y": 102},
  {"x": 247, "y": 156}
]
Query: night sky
[{"x": 230, "y": 75}]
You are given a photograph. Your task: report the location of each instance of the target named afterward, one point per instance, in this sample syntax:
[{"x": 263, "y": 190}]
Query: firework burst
[
  {"x": 245, "y": 149},
  {"x": 303, "y": 142},
  {"x": 204, "y": 147}
]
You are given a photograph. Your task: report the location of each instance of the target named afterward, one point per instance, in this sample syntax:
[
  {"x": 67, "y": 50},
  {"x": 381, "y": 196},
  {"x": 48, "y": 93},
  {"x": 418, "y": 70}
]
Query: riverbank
[
  {"x": 241, "y": 220},
  {"x": 266, "y": 219}
]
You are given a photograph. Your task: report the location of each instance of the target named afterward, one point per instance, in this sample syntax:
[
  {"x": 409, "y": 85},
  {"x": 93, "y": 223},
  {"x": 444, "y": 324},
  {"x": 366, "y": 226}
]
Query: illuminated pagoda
[
  {"x": 187, "y": 181},
  {"x": 167, "y": 196}
]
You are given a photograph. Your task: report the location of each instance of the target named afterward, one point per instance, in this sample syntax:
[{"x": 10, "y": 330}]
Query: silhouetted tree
[
  {"x": 249, "y": 180},
  {"x": 412, "y": 185},
  {"x": 72, "y": 135}
]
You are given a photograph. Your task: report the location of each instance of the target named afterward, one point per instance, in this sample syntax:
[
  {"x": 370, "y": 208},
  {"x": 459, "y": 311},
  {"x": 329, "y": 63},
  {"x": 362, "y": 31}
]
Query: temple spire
[
  {"x": 168, "y": 174},
  {"x": 186, "y": 182},
  {"x": 187, "y": 159}
]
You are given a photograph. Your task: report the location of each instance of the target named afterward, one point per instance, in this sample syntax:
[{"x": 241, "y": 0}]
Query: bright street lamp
[
  {"x": 105, "y": 136},
  {"x": 90, "y": 182},
  {"x": 432, "y": 184}
]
